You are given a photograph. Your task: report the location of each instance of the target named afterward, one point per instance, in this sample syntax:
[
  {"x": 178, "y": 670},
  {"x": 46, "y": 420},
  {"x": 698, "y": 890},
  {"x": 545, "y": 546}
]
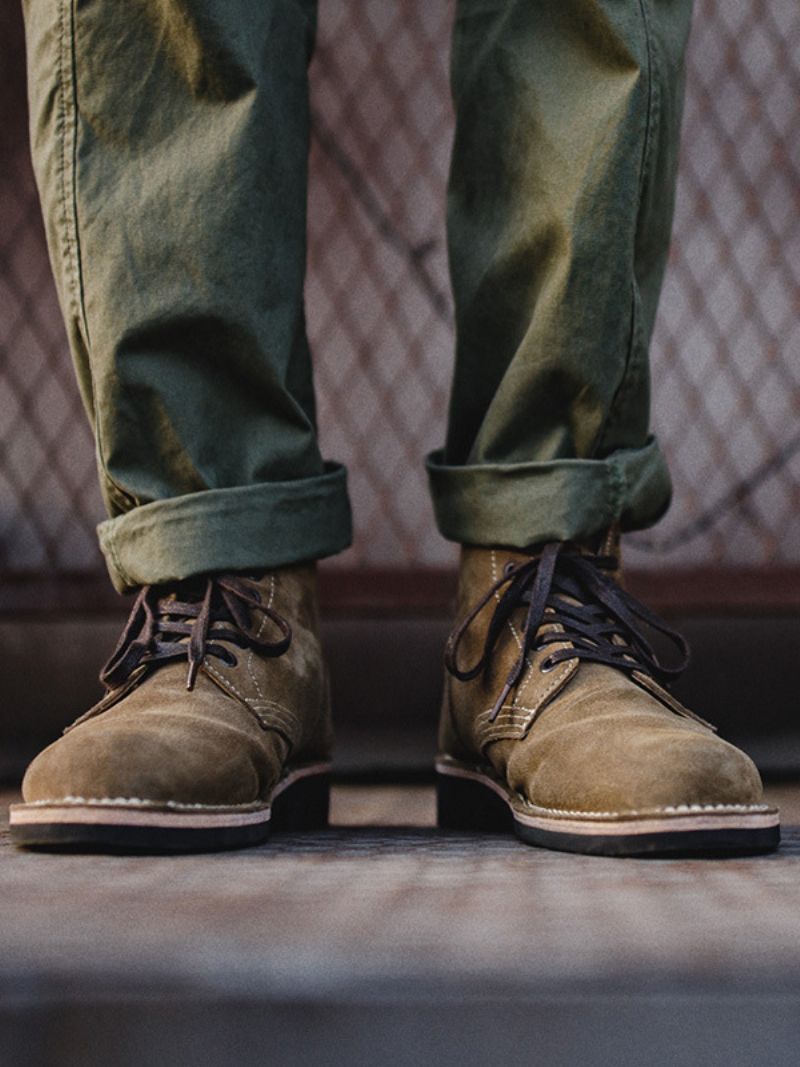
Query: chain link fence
[{"x": 725, "y": 355}]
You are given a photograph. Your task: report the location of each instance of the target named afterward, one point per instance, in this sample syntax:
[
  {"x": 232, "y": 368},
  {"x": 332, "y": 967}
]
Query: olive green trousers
[{"x": 170, "y": 142}]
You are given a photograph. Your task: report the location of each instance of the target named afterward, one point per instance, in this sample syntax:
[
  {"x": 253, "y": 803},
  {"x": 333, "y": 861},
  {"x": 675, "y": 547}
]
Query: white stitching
[
  {"x": 512, "y": 711},
  {"x": 510, "y": 733},
  {"x": 278, "y": 719},
  {"x": 132, "y": 802},
  {"x": 226, "y": 682},
  {"x": 679, "y": 809},
  {"x": 528, "y": 659},
  {"x": 251, "y": 651},
  {"x": 497, "y": 598},
  {"x": 274, "y": 706},
  {"x": 511, "y": 720}
]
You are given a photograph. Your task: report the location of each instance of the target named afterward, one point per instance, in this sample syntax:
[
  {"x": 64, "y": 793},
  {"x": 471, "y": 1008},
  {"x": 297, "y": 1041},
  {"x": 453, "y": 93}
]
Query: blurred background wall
[{"x": 725, "y": 356}]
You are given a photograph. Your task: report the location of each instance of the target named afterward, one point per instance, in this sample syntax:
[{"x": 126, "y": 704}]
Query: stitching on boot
[
  {"x": 495, "y": 576},
  {"x": 278, "y": 718},
  {"x": 520, "y": 690},
  {"x": 528, "y": 659},
  {"x": 514, "y": 711},
  {"x": 134, "y": 802},
  {"x": 250, "y": 653},
  {"x": 680, "y": 809},
  {"x": 561, "y": 675},
  {"x": 247, "y": 700}
]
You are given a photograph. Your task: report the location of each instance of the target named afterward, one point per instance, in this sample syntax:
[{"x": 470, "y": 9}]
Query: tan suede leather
[
  {"x": 225, "y": 743},
  {"x": 582, "y": 737}
]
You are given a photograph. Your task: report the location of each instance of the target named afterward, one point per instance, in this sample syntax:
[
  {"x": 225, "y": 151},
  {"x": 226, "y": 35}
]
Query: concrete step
[{"x": 386, "y": 940}]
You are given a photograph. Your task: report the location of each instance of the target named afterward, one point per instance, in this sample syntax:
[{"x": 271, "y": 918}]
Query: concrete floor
[{"x": 385, "y": 939}]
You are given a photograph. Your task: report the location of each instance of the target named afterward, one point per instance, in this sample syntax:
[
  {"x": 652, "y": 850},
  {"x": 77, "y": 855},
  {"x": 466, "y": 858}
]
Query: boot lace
[
  {"x": 571, "y": 595},
  {"x": 189, "y": 622}
]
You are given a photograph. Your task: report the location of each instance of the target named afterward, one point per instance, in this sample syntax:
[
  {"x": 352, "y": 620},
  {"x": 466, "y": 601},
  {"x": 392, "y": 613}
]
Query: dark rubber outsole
[
  {"x": 301, "y": 806},
  {"x": 466, "y": 803}
]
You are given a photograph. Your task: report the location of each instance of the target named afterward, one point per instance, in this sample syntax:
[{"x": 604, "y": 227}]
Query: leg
[
  {"x": 556, "y": 714},
  {"x": 559, "y": 218},
  {"x": 170, "y": 139},
  {"x": 170, "y": 142}
]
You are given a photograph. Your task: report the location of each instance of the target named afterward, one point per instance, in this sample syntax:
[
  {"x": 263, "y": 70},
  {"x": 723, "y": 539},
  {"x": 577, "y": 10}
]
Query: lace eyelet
[
  {"x": 231, "y": 660},
  {"x": 508, "y": 567},
  {"x": 546, "y": 666}
]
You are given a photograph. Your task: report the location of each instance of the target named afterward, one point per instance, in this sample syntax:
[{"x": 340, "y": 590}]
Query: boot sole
[
  {"x": 468, "y": 799},
  {"x": 300, "y": 801}
]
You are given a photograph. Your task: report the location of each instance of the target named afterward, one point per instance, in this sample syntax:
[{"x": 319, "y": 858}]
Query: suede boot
[
  {"x": 557, "y": 723},
  {"x": 215, "y": 727}
]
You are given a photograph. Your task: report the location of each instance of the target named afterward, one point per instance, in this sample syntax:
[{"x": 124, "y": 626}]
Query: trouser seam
[
  {"x": 67, "y": 186},
  {"x": 112, "y": 551},
  {"x": 631, "y": 370},
  {"x": 652, "y": 98},
  {"x": 62, "y": 155},
  {"x": 66, "y": 164},
  {"x": 617, "y": 490}
]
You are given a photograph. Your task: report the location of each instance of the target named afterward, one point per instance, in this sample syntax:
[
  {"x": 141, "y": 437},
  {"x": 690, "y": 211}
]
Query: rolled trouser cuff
[
  {"x": 520, "y": 504},
  {"x": 260, "y": 526}
]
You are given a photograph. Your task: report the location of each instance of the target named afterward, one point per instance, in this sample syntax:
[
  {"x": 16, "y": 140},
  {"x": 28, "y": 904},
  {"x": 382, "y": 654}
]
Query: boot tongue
[{"x": 187, "y": 591}]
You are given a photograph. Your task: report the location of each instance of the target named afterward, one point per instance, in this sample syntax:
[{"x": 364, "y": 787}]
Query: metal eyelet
[
  {"x": 508, "y": 567},
  {"x": 546, "y": 666}
]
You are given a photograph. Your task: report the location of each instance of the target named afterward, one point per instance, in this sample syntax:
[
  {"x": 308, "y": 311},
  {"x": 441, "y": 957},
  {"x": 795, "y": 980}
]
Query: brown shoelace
[
  {"x": 571, "y": 592},
  {"x": 206, "y": 611}
]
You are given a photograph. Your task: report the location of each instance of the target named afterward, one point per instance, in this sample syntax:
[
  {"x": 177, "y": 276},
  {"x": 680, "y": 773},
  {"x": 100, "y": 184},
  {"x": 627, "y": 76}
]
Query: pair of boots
[{"x": 556, "y": 721}]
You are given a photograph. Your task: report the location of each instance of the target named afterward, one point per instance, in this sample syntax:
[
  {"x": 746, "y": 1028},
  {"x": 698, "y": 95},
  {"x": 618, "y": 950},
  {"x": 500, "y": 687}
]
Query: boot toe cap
[
  {"x": 656, "y": 770},
  {"x": 158, "y": 764}
]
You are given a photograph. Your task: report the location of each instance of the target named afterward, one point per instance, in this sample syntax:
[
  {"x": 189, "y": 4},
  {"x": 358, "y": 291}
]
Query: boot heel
[
  {"x": 303, "y": 805},
  {"x": 466, "y": 804}
]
